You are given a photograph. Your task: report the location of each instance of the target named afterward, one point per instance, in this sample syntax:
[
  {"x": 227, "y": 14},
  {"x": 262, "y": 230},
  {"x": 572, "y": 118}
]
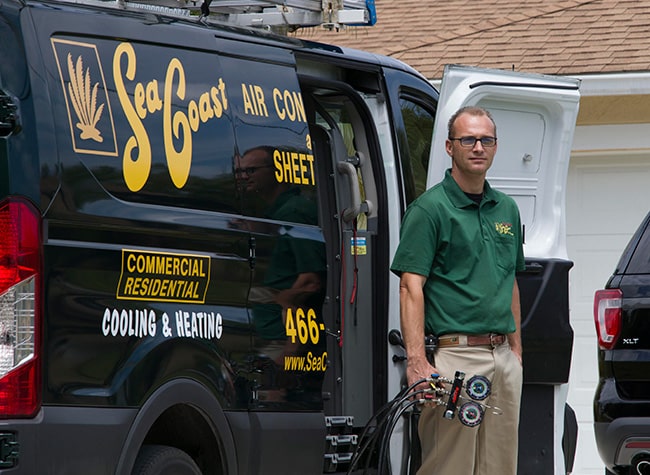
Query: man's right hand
[{"x": 418, "y": 369}]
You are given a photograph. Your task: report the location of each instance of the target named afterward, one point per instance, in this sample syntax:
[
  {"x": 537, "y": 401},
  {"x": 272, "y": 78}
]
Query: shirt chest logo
[{"x": 504, "y": 228}]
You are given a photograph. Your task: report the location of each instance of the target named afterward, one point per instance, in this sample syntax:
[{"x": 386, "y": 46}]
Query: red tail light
[
  {"x": 607, "y": 316},
  {"x": 20, "y": 272}
]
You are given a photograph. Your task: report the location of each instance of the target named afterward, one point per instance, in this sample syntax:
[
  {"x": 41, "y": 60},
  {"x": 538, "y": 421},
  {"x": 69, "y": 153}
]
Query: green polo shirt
[{"x": 469, "y": 254}]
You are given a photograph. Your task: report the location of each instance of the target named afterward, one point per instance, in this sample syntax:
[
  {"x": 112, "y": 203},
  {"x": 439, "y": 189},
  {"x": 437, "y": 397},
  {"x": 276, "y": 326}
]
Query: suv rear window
[{"x": 640, "y": 262}]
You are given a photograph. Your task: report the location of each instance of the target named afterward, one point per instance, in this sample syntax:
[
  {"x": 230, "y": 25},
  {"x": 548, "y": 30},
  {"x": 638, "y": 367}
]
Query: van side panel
[
  {"x": 147, "y": 272},
  {"x": 144, "y": 262},
  {"x": 155, "y": 237}
]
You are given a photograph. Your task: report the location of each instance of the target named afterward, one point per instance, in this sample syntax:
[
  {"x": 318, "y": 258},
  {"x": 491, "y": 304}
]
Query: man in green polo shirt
[{"x": 460, "y": 246}]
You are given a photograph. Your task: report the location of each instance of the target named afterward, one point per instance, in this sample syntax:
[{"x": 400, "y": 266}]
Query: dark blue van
[{"x": 196, "y": 224}]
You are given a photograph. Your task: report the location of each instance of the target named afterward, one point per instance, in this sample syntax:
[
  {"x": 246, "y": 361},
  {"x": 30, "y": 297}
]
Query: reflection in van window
[
  {"x": 268, "y": 193},
  {"x": 289, "y": 275},
  {"x": 418, "y": 123}
]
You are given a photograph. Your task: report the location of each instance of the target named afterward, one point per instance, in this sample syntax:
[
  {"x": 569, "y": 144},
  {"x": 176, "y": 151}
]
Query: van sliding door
[
  {"x": 347, "y": 151},
  {"x": 277, "y": 190}
]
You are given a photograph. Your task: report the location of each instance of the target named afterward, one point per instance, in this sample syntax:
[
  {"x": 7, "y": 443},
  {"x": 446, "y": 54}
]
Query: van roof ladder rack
[
  {"x": 279, "y": 15},
  {"x": 298, "y": 13}
]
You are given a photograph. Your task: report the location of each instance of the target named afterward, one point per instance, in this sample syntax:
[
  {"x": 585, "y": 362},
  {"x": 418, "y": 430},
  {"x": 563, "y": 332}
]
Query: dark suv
[{"x": 622, "y": 399}]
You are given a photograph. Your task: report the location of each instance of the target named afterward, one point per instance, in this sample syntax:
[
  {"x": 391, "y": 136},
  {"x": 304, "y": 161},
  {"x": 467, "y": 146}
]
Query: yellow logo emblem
[
  {"x": 84, "y": 100},
  {"x": 504, "y": 228},
  {"x": 89, "y": 111}
]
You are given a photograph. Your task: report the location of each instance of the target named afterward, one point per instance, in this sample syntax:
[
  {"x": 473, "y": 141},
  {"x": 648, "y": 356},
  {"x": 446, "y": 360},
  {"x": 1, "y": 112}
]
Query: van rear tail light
[
  {"x": 607, "y": 316},
  {"x": 20, "y": 273}
]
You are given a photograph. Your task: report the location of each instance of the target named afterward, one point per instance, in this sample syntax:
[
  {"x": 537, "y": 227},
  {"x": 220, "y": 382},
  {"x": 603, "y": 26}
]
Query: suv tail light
[
  {"x": 20, "y": 273},
  {"x": 607, "y": 316}
]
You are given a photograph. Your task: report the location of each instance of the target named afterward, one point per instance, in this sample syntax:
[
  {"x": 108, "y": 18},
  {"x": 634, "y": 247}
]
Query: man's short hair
[
  {"x": 471, "y": 110},
  {"x": 266, "y": 149}
]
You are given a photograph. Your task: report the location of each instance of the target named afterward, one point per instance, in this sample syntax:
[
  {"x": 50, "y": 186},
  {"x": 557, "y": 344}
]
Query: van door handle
[
  {"x": 356, "y": 206},
  {"x": 252, "y": 256}
]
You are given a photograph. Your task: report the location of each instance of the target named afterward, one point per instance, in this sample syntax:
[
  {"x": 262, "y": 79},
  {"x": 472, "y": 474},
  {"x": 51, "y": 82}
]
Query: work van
[{"x": 197, "y": 219}]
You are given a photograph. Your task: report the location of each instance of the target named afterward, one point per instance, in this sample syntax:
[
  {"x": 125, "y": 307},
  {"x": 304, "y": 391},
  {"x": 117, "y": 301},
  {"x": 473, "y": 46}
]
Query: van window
[
  {"x": 274, "y": 163},
  {"x": 418, "y": 124},
  {"x": 339, "y": 114},
  {"x": 151, "y": 123}
]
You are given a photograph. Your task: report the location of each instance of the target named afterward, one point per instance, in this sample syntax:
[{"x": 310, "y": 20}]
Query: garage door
[{"x": 607, "y": 197}]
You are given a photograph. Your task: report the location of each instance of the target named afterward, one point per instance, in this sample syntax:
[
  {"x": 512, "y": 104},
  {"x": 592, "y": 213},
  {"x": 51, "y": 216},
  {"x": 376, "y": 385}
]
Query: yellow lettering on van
[
  {"x": 154, "y": 103},
  {"x": 246, "y": 99},
  {"x": 139, "y": 99},
  {"x": 136, "y": 171},
  {"x": 289, "y": 105},
  {"x": 293, "y": 167},
  {"x": 253, "y": 97},
  {"x": 206, "y": 112},
  {"x": 130, "y": 263},
  {"x": 219, "y": 100},
  {"x": 178, "y": 127},
  {"x": 146, "y": 96},
  {"x": 193, "y": 115},
  {"x": 259, "y": 99},
  {"x": 178, "y": 162}
]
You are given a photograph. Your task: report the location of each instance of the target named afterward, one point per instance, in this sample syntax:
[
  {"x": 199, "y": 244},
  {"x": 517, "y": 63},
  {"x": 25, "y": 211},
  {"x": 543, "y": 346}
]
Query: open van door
[{"x": 535, "y": 117}]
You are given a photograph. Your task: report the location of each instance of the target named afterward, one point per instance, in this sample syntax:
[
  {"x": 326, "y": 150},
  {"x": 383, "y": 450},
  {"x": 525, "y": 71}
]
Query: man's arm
[
  {"x": 412, "y": 322},
  {"x": 515, "y": 338}
]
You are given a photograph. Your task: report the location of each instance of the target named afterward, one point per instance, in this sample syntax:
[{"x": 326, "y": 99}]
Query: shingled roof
[{"x": 567, "y": 37}]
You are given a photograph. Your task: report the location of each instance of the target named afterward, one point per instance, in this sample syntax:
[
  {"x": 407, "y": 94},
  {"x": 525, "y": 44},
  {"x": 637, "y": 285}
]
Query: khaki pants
[{"x": 450, "y": 448}]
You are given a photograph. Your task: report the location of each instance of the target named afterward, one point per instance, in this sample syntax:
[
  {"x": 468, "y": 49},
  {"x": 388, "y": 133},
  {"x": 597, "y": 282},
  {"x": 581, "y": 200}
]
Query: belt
[{"x": 489, "y": 339}]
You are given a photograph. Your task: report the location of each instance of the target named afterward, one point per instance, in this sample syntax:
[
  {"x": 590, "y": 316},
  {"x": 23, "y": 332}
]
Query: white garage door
[{"x": 607, "y": 197}]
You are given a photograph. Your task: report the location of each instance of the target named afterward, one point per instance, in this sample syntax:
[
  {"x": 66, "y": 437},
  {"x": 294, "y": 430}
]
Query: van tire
[{"x": 164, "y": 460}]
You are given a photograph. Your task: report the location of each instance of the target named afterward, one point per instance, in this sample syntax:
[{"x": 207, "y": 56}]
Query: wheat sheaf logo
[{"x": 83, "y": 98}]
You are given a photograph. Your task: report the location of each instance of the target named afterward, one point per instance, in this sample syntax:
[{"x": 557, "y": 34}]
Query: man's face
[
  {"x": 254, "y": 171},
  {"x": 475, "y": 159}
]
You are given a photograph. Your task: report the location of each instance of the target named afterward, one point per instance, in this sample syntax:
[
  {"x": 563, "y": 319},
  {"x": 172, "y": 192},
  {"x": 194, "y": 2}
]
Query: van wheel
[{"x": 164, "y": 460}]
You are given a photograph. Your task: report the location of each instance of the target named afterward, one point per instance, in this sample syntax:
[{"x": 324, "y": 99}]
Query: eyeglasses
[
  {"x": 470, "y": 142},
  {"x": 250, "y": 170}
]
